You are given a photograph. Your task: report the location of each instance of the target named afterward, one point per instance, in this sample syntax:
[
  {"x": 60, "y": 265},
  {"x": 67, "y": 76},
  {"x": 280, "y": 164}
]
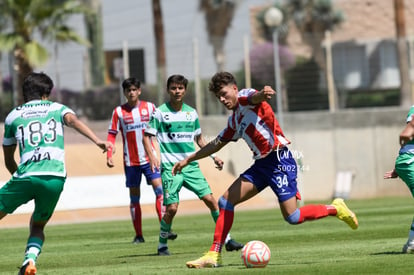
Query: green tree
[
  {"x": 313, "y": 18},
  {"x": 29, "y": 23},
  {"x": 218, "y": 15}
]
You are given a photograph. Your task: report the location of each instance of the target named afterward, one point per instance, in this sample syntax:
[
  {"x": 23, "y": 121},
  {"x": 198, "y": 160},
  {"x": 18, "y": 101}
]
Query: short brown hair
[{"x": 219, "y": 80}]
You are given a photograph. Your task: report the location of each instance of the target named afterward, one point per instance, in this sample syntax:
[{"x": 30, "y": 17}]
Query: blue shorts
[
  {"x": 133, "y": 175},
  {"x": 277, "y": 170}
]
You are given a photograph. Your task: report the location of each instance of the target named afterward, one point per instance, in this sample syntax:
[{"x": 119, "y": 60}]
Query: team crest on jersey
[
  {"x": 188, "y": 116},
  {"x": 144, "y": 115}
]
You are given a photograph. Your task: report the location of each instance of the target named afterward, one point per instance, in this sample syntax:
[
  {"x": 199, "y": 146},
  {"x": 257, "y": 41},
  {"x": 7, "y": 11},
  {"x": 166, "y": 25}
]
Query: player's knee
[
  {"x": 294, "y": 217},
  {"x": 171, "y": 209},
  {"x": 158, "y": 190},
  {"x": 134, "y": 199},
  {"x": 225, "y": 204}
]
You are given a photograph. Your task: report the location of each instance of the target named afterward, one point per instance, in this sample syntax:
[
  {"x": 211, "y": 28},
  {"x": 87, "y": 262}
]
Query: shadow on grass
[{"x": 389, "y": 253}]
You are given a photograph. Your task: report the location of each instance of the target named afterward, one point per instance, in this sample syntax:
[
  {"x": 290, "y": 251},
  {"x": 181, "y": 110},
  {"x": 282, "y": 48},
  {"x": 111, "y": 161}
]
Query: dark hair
[
  {"x": 36, "y": 85},
  {"x": 132, "y": 81},
  {"x": 219, "y": 80},
  {"x": 177, "y": 79}
]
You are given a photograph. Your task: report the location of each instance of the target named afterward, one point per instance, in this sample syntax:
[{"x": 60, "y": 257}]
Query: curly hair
[{"x": 219, "y": 80}]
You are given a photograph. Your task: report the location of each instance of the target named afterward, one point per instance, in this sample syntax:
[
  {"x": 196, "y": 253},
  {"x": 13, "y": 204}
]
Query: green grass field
[{"x": 327, "y": 246}]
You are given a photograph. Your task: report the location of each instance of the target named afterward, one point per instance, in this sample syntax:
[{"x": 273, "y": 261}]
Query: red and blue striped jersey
[{"x": 256, "y": 124}]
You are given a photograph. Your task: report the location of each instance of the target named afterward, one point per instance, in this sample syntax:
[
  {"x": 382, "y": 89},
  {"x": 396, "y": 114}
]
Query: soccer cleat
[
  {"x": 138, "y": 239},
  {"x": 172, "y": 235},
  {"x": 344, "y": 214},
  {"x": 210, "y": 259},
  {"x": 28, "y": 269},
  {"x": 232, "y": 245},
  {"x": 408, "y": 247},
  {"x": 163, "y": 251}
]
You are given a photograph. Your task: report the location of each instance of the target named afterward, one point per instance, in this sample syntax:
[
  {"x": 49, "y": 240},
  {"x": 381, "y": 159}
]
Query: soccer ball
[{"x": 255, "y": 254}]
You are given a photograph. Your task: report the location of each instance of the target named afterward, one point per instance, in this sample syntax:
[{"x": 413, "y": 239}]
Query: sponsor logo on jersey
[
  {"x": 132, "y": 127},
  {"x": 128, "y": 119},
  {"x": 179, "y": 136},
  {"x": 34, "y": 113}
]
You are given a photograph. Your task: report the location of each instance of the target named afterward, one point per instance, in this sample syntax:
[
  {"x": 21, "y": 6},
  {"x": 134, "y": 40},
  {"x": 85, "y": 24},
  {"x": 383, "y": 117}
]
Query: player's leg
[
  {"x": 154, "y": 179},
  {"x": 240, "y": 191},
  {"x": 171, "y": 186},
  {"x": 136, "y": 213},
  {"x": 133, "y": 176},
  {"x": 165, "y": 228},
  {"x": 281, "y": 168},
  {"x": 404, "y": 166},
  {"x": 159, "y": 197},
  {"x": 211, "y": 203},
  {"x": 2, "y": 214},
  {"x": 33, "y": 247},
  {"x": 196, "y": 182},
  {"x": 46, "y": 191}
]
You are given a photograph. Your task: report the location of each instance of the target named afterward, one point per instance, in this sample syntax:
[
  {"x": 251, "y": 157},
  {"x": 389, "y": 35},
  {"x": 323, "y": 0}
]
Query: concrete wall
[{"x": 364, "y": 141}]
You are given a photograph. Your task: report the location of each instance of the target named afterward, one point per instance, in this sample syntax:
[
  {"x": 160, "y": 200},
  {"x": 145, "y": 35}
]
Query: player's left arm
[
  {"x": 72, "y": 121},
  {"x": 9, "y": 161},
  {"x": 201, "y": 142},
  {"x": 263, "y": 95}
]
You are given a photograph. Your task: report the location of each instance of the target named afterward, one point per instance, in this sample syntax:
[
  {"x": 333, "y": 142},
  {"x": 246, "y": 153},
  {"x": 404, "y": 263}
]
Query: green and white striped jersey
[
  {"x": 37, "y": 128},
  {"x": 175, "y": 132}
]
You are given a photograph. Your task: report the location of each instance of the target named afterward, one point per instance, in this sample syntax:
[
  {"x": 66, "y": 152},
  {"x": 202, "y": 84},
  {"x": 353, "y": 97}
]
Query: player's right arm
[
  {"x": 9, "y": 161},
  {"x": 109, "y": 161},
  {"x": 153, "y": 159},
  {"x": 264, "y": 95},
  {"x": 72, "y": 121},
  {"x": 211, "y": 147}
]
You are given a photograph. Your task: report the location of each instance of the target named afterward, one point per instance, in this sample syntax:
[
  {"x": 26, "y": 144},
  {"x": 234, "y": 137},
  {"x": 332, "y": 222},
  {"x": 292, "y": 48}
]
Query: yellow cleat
[
  {"x": 210, "y": 259},
  {"x": 344, "y": 214}
]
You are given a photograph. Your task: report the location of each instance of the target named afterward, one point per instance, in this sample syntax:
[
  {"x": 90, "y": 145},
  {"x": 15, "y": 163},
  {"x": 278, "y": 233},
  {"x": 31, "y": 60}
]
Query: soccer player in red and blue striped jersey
[
  {"x": 131, "y": 120},
  {"x": 254, "y": 121}
]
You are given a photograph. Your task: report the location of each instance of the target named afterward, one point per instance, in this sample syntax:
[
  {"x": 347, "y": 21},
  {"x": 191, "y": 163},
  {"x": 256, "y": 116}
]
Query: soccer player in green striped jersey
[
  {"x": 176, "y": 126},
  {"x": 36, "y": 127},
  {"x": 404, "y": 168}
]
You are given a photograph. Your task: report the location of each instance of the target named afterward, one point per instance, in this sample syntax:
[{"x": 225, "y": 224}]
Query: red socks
[
  {"x": 223, "y": 226},
  {"x": 159, "y": 207},
  {"x": 136, "y": 218},
  {"x": 314, "y": 212}
]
